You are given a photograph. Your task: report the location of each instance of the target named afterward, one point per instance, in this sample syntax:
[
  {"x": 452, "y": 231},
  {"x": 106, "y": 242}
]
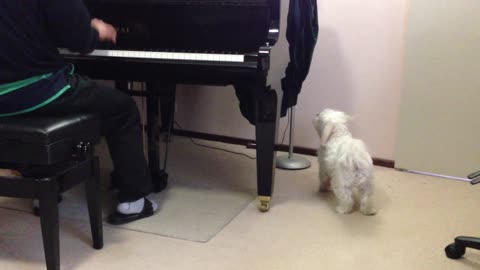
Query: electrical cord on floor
[{"x": 213, "y": 147}]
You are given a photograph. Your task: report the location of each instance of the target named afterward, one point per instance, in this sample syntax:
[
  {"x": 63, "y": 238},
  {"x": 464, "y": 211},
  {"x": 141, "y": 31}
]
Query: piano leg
[
  {"x": 159, "y": 177},
  {"x": 266, "y": 134},
  {"x": 167, "y": 107}
]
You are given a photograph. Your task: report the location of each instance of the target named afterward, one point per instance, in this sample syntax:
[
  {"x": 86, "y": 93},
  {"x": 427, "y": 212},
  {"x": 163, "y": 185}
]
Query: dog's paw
[
  {"x": 343, "y": 210},
  {"x": 369, "y": 211}
]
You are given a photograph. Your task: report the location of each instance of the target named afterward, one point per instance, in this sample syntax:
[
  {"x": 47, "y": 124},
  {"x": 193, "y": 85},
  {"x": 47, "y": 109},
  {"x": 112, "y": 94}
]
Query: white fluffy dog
[{"x": 344, "y": 163}]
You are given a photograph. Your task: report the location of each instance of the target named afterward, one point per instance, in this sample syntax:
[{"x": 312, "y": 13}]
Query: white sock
[{"x": 134, "y": 207}]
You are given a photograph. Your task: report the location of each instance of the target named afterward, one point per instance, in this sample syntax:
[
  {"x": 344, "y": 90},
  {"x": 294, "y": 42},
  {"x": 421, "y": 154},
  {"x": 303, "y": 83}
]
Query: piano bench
[{"x": 53, "y": 154}]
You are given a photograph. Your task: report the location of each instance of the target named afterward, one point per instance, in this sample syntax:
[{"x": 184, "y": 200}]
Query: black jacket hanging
[{"x": 302, "y": 34}]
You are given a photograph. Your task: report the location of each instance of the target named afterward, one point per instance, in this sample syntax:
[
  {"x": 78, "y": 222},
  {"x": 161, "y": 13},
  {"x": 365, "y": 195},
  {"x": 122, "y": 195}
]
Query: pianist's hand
[{"x": 105, "y": 31}]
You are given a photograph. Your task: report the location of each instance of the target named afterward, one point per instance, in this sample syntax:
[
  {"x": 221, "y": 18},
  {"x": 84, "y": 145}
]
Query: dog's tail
[{"x": 354, "y": 154}]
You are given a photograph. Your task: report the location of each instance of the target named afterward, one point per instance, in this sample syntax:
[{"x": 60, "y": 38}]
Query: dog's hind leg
[
  {"x": 344, "y": 198},
  {"x": 365, "y": 192},
  {"x": 323, "y": 176},
  {"x": 324, "y": 181}
]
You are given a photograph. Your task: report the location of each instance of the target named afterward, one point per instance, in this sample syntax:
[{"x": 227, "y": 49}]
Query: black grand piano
[{"x": 208, "y": 42}]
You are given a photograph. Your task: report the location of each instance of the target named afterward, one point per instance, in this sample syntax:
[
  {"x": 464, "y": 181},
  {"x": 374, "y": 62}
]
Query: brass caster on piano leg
[{"x": 264, "y": 203}]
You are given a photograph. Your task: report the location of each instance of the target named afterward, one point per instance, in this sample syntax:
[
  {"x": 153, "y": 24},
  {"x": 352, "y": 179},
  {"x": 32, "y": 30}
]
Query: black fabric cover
[{"x": 302, "y": 34}]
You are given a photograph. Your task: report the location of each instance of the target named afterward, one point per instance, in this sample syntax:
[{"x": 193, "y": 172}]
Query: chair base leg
[{"x": 457, "y": 250}]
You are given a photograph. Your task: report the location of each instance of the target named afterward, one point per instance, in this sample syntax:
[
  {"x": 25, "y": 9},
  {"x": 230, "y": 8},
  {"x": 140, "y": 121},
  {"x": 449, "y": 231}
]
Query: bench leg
[
  {"x": 50, "y": 223},
  {"x": 95, "y": 205}
]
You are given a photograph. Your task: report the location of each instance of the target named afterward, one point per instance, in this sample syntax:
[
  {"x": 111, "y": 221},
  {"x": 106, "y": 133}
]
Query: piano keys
[
  {"x": 200, "y": 57},
  {"x": 204, "y": 42}
]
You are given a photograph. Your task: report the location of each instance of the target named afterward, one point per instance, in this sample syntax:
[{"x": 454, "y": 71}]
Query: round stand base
[{"x": 292, "y": 163}]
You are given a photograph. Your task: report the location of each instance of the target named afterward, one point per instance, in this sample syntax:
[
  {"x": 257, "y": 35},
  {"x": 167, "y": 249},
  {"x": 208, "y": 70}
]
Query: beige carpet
[
  {"x": 202, "y": 198},
  {"x": 418, "y": 217}
]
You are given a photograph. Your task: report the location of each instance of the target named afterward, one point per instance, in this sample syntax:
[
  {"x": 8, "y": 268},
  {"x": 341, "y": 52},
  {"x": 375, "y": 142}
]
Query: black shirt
[{"x": 32, "y": 30}]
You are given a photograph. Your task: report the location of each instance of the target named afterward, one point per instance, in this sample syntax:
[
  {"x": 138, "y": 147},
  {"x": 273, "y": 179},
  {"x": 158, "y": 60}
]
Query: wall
[
  {"x": 356, "y": 68},
  {"x": 438, "y": 131}
]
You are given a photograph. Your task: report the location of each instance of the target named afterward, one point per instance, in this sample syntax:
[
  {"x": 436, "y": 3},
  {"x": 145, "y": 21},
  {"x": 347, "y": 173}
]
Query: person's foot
[{"x": 131, "y": 211}]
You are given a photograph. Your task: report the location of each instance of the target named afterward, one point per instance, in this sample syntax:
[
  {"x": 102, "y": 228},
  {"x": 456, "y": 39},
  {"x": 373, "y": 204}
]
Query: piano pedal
[
  {"x": 160, "y": 182},
  {"x": 264, "y": 203}
]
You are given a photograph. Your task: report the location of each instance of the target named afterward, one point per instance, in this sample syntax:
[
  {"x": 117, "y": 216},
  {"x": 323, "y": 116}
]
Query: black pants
[{"x": 121, "y": 126}]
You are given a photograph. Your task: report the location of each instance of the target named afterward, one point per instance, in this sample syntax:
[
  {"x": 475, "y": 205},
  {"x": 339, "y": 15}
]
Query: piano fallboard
[{"x": 237, "y": 26}]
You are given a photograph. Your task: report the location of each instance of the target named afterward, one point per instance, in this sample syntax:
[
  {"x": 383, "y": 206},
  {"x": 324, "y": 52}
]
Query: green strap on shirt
[{"x": 10, "y": 87}]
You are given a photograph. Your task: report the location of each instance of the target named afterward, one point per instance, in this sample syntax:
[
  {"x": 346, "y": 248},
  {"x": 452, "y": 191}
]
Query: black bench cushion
[{"x": 45, "y": 140}]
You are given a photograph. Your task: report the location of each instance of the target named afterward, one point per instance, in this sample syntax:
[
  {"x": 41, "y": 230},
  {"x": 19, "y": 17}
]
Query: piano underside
[
  {"x": 173, "y": 71},
  {"x": 208, "y": 42}
]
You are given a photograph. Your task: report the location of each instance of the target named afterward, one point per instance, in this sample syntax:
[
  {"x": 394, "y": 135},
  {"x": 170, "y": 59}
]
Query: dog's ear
[
  {"x": 349, "y": 118},
  {"x": 317, "y": 124},
  {"x": 346, "y": 118},
  {"x": 326, "y": 132}
]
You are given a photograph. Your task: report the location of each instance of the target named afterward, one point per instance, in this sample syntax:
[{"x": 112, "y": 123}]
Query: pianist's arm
[{"x": 69, "y": 25}]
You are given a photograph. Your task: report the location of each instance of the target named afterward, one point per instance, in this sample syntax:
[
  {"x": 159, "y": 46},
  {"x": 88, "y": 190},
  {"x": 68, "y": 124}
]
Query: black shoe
[{"x": 119, "y": 218}]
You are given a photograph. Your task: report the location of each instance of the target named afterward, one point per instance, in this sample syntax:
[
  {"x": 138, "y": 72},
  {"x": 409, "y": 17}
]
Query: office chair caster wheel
[{"x": 454, "y": 251}]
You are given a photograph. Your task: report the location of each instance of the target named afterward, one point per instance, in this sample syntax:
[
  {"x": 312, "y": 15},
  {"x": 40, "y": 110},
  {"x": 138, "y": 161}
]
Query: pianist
[{"x": 34, "y": 79}]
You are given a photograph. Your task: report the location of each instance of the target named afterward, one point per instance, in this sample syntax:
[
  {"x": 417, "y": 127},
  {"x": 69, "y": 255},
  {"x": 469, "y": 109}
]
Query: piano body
[{"x": 207, "y": 42}]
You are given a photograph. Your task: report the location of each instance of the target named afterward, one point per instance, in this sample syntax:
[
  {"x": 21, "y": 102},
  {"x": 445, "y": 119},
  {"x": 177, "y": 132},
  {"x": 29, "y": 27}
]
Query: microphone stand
[{"x": 291, "y": 162}]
